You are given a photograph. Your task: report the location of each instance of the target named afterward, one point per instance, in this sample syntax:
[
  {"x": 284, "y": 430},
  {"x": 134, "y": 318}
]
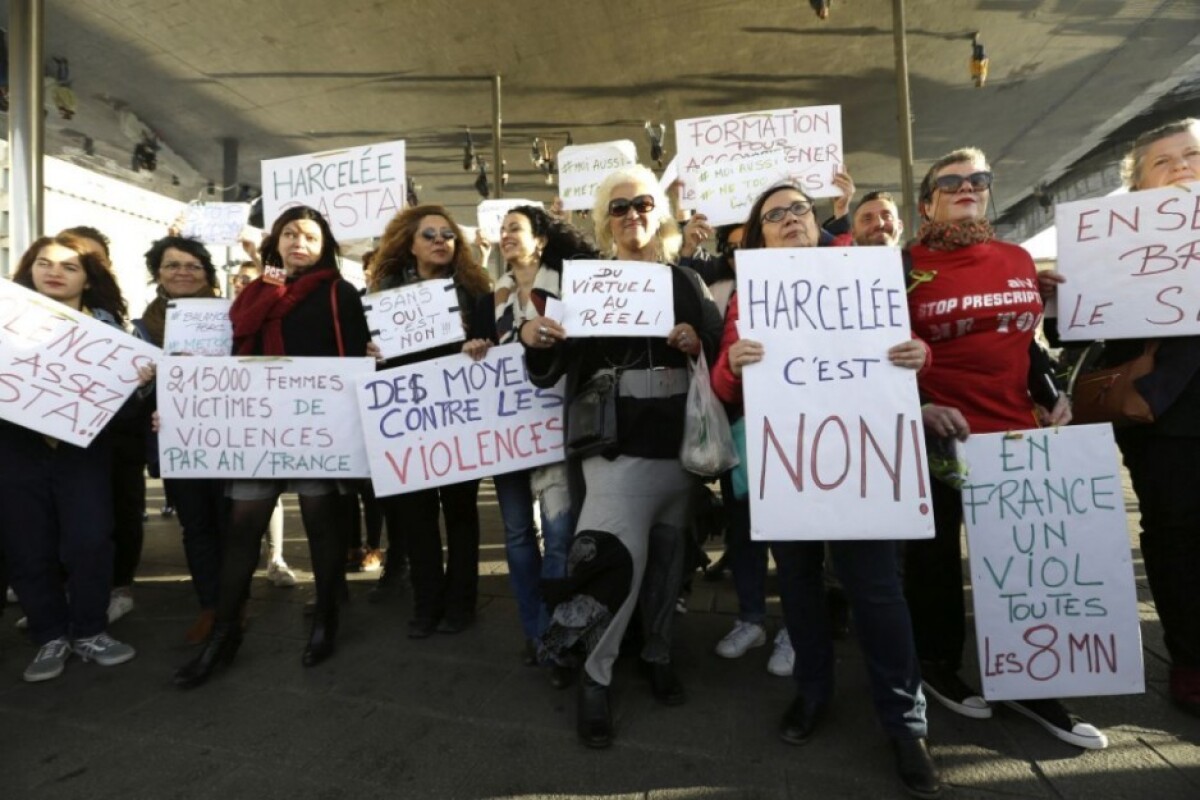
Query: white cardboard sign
[
  {"x": 218, "y": 224},
  {"x": 198, "y": 326},
  {"x": 581, "y": 168},
  {"x": 617, "y": 298},
  {"x": 1055, "y": 605},
  {"x": 490, "y": 214},
  {"x": 409, "y": 319},
  {"x": 726, "y": 161},
  {"x": 1126, "y": 260},
  {"x": 63, "y": 373},
  {"x": 358, "y": 190},
  {"x": 835, "y": 447},
  {"x": 260, "y": 417},
  {"x": 453, "y": 419}
]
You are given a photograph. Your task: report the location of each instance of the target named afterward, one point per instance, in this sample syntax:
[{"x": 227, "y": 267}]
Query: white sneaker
[
  {"x": 103, "y": 649},
  {"x": 120, "y": 603},
  {"x": 50, "y": 661},
  {"x": 22, "y": 624},
  {"x": 739, "y": 640},
  {"x": 281, "y": 575},
  {"x": 783, "y": 657},
  {"x": 12, "y": 596}
]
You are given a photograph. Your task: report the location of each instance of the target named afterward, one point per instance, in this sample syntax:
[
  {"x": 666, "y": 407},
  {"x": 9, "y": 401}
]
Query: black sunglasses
[
  {"x": 799, "y": 208},
  {"x": 952, "y": 183},
  {"x": 429, "y": 234},
  {"x": 642, "y": 204}
]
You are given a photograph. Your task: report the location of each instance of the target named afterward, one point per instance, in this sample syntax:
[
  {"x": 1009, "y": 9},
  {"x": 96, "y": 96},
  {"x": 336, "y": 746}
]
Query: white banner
[
  {"x": 358, "y": 190},
  {"x": 198, "y": 326},
  {"x": 63, "y": 373},
  {"x": 1056, "y": 610},
  {"x": 260, "y": 417},
  {"x": 835, "y": 448},
  {"x": 218, "y": 224},
  {"x": 490, "y": 214},
  {"x": 582, "y": 167},
  {"x": 409, "y": 319},
  {"x": 617, "y": 298},
  {"x": 727, "y": 161},
  {"x": 454, "y": 419}
]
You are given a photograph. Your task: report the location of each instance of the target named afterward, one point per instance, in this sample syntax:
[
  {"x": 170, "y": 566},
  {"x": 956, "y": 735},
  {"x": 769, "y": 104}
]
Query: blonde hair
[
  {"x": 1131, "y": 165},
  {"x": 666, "y": 231}
]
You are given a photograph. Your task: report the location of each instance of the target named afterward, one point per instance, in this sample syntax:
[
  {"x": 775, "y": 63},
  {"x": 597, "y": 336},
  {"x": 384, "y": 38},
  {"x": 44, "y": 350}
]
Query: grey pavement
[{"x": 460, "y": 717}]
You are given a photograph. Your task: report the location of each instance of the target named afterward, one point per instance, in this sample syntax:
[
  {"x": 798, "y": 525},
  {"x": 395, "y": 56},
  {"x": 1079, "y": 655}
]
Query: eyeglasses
[
  {"x": 798, "y": 208},
  {"x": 642, "y": 204},
  {"x": 175, "y": 266},
  {"x": 429, "y": 234},
  {"x": 952, "y": 183}
]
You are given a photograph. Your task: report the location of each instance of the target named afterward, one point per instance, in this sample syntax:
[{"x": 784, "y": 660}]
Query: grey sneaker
[
  {"x": 103, "y": 649},
  {"x": 50, "y": 661}
]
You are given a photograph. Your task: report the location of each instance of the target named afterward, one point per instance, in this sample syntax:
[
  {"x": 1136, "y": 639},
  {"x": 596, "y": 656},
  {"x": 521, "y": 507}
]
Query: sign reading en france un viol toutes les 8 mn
[
  {"x": 835, "y": 446},
  {"x": 260, "y": 417},
  {"x": 63, "y": 373}
]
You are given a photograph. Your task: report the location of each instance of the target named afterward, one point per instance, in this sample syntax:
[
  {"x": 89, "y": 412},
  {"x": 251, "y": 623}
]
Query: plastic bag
[{"x": 707, "y": 448}]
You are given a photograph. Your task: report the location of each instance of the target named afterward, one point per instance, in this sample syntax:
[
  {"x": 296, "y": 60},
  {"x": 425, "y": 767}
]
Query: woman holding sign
[
  {"x": 783, "y": 217},
  {"x": 299, "y": 307},
  {"x": 424, "y": 243},
  {"x": 980, "y": 382},
  {"x": 629, "y": 546},
  {"x": 55, "y": 497}
]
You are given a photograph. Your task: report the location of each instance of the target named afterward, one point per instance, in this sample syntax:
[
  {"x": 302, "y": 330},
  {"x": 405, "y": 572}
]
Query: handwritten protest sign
[
  {"x": 215, "y": 223},
  {"x": 63, "y": 373},
  {"x": 726, "y": 161},
  {"x": 582, "y": 167},
  {"x": 1055, "y": 605},
  {"x": 454, "y": 419},
  {"x": 260, "y": 417},
  {"x": 413, "y": 318},
  {"x": 617, "y": 298},
  {"x": 358, "y": 189},
  {"x": 198, "y": 326},
  {"x": 834, "y": 442},
  {"x": 1126, "y": 259},
  {"x": 490, "y": 213}
]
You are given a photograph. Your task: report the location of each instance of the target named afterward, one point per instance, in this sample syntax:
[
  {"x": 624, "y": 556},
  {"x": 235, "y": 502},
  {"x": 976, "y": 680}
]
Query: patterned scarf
[
  {"x": 954, "y": 235},
  {"x": 509, "y": 314},
  {"x": 155, "y": 315}
]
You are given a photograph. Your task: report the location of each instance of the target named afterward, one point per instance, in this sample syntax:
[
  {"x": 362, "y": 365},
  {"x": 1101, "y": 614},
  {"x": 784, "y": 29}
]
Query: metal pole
[
  {"x": 25, "y": 130},
  {"x": 497, "y": 159},
  {"x": 904, "y": 119}
]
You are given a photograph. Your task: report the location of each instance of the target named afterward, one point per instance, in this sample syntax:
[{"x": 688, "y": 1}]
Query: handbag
[
  {"x": 1110, "y": 395},
  {"x": 707, "y": 448},
  {"x": 592, "y": 417}
]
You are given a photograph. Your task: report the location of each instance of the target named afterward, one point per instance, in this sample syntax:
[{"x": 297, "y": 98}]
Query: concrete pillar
[{"x": 26, "y": 140}]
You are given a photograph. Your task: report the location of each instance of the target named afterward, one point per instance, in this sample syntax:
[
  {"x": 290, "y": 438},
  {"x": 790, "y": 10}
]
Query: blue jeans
[
  {"x": 527, "y": 564},
  {"x": 869, "y": 573}
]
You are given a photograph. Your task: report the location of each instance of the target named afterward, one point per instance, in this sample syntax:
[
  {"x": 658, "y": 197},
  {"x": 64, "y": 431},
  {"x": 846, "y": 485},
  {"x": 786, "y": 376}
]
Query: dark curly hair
[
  {"x": 394, "y": 256},
  {"x": 154, "y": 256},
  {"x": 563, "y": 241},
  {"x": 330, "y": 257},
  {"x": 102, "y": 291}
]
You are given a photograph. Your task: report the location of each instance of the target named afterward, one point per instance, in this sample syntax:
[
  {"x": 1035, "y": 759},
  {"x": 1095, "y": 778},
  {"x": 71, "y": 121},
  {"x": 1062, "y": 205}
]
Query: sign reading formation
[
  {"x": 582, "y": 167},
  {"x": 454, "y": 419},
  {"x": 725, "y": 162},
  {"x": 617, "y": 298},
  {"x": 217, "y": 224},
  {"x": 1126, "y": 259},
  {"x": 409, "y": 319},
  {"x": 358, "y": 190},
  {"x": 490, "y": 214},
  {"x": 1051, "y": 571},
  {"x": 835, "y": 447},
  {"x": 260, "y": 417},
  {"x": 62, "y": 373},
  {"x": 198, "y": 326}
]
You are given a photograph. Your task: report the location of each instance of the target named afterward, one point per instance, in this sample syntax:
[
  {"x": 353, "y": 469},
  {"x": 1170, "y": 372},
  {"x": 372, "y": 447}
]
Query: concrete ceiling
[{"x": 291, "y": 76}]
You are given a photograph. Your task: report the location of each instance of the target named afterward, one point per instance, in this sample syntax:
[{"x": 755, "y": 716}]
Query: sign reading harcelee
[{"x": 260, "y": 417}]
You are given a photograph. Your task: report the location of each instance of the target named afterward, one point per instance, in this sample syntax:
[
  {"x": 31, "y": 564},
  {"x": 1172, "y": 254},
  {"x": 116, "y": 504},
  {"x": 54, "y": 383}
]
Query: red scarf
[{"x": 261, "y": 307}]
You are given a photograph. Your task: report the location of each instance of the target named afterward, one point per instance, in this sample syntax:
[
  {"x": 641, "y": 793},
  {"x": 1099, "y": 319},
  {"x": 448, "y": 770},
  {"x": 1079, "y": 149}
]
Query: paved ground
[{"x": 459, "y": 716}]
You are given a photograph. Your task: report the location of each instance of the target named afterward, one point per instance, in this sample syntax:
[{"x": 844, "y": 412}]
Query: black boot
[
  {"x": 320, "y": 640},
  {"x": 916, "y": 768},
  {"x": 220, "y": 648},
  {"x": 595, "y": 714}
]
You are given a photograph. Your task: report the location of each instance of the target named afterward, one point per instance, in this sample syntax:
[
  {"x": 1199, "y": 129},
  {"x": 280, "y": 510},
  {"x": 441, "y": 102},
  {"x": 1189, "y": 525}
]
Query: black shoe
[
  {"x": 529, "y": 656},
  {"x": 916, "y": 767},
  {"x": 838, "y": 609},
  {"x": 320, "y": 640},
  {"x": 219, "y": 649},
  {"x": 454, "y": 624},
  {"x": 561, "y": 677},
  {"x": 421, "y": 627},
  {"x": 1061, "y": 723},
  {"x": 716, "y": 570},
  {"x": 943, "y": 684},
  {"x": 595, "y": 714},
  {"x": 664, "y": 683},
  {"x": 800, "y": 721},
  {"x": 310, "y": 608}
]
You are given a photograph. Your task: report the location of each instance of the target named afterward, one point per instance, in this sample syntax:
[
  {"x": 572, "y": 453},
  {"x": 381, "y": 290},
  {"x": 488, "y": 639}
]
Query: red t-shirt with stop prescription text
[{"x": 978, "y": 308}]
